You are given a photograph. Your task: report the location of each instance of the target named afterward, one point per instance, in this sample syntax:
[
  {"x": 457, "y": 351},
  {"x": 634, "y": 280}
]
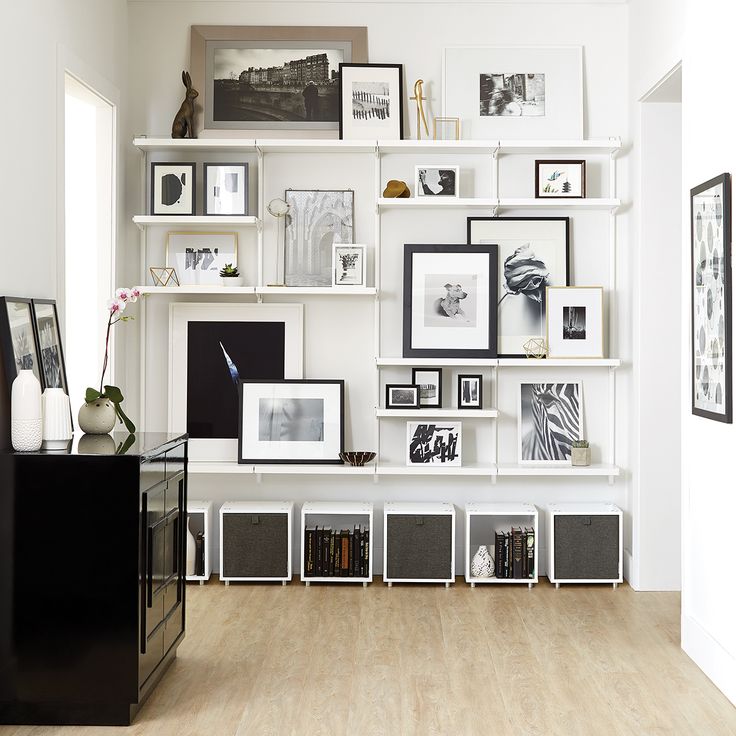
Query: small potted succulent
[
  {"x": 580, "y": 453},
  {"x": 230, "y": 275}
]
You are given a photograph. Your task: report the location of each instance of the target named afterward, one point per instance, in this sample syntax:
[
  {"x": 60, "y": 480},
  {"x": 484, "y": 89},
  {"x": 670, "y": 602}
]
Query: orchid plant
[{"x": 115, "y": 308}]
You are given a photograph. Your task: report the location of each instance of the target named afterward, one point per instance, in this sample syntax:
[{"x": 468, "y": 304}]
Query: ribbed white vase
[
  {"x": 26, "y": 430},
  {"x": 57, "y": 421}
]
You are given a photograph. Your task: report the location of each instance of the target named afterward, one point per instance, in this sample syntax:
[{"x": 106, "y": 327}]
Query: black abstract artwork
[
  {"x": 172, "y": 187},
  {"x": 434, "y": 443},
  {"x": 219, "y": 354}
]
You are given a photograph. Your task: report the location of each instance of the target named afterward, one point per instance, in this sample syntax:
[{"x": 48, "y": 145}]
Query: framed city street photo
[
  {"x": 437, "y": 181},
  {"x": 429, "y": 381},
  {"x": 291, "y": 421},
  {"x": 173, "y": 188},
  {"x": 710, "y": 214},
  {"x": 50, "y": 350},
  {"x": 575, "y": 322},
  {"x": 371, "y": 101},
  {"x": 550, "y": 420},
  {"x": 533, "y": 253},
  {"x": 402, "y": 396},
  {"x": 450, "y": 296},
  {"x": 559, "y": 179},
  {"x": 198, "y": 257},
  {"x": 226, "y": 189},
  {"x": 348, "y": 265},
  {"x": 18, "y": 338},
  {"x": 274, "y": 78},
  {"x": 437, "y": 443},
  {"x": 470, "y": 391}
]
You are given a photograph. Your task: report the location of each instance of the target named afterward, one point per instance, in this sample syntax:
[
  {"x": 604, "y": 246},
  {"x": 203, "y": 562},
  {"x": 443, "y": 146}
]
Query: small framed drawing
[
  {"x": 173, "y": 188},
  {"x": 559, "y": 179},
  {"x": 711, "y": 341},
  {"x": 437, "y": 181},
  {"x": 348, "y": 265},
  {"x": 429, "y": 381},
  {"x": 434, "y": 444},
  {"x": 198, "y": 257},
  {"x": 575, "y": 321},
  {"x": 446, "y": 129},
  {"x": 371, "y": 101},
  {"x": 470, "y": 391},
  {"x": 550, "y": 420},
  {"x": 450, "y": 301},
  {"x": 291, "y": 421},
  {"x": 50, "y": 351},
  {"x": 18, "y": 338},
  {"x": 402, "y": 396},
  {"x": 226, "y": 189}
]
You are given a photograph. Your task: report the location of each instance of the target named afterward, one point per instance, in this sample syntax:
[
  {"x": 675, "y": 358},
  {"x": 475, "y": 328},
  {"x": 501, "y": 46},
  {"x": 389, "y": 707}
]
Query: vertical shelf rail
[
  {"x": 494, "y": 424},
  {"x": 494, "y": 193},
  {"x": 143, "y": 321},
  {"x": 377, "y": 303},
  {"x": 612, "y": 284},
  {"x": 261, "y": 216}
]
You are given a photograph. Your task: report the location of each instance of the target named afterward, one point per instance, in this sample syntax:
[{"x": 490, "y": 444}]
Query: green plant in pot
[
  {"x": 102, "y": 406},
  {"x": 580, "y": 453},
  {"x": 230, "y": 275}
]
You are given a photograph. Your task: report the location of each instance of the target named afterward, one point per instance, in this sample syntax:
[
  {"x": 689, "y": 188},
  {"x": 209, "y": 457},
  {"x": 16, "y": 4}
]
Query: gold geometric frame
[
  {"x": 445, "y": 120},
  {"x": 164, "y": 276}
]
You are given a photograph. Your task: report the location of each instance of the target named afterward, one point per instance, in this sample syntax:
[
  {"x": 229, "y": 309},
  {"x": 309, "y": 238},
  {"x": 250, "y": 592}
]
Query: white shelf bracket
[
  {"x": 259, "y": 298},
  {"x": 495, "y": 151},
  {"x": 259, "y": 225}
]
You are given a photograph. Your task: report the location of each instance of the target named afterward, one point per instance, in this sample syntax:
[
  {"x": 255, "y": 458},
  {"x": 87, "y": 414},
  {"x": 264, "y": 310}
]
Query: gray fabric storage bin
[
  {"x": 586, "y": 547},
  {"x": 255, "y": 545},
  {"x": 419, "y": 547}
]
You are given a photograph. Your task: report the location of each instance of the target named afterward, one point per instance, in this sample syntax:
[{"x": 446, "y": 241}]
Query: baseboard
[{"x": 718, "y": 664}]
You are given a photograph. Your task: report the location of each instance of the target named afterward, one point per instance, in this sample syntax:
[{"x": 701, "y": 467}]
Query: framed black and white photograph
[
  {"x": 173, "y": 188},
  {"x": 317, "y": 220},
  {"x": 50, "y": 350},
  {"x": 277, "y": 78},
  {"x": 429, "y": 381},
  {"x": 450, "y": 295},
  {"x": 470, "y": 391},
  {"x": 402, "y": 396},
  {"x": 575, "y": 322},
  {"x": 18, "y": 338},
  {"x": 348, "y": 265},
  {"x": 533, "y": 253},
  {"x": 226, "y": 189},
  {"x": 434, "y": 443},
  {"x": 514, "y": 91},
  {"x": 437, "y": 181},
  {"x": 559, "y": 179},
  {"x": 371, "y": 101},
  {"x": 710, "y": 215},
  {"x": 211, "y": 348},
  {"x": 198, "y": 257},
  {"x": 291, "y": 421},
  {"x": 550, "y": 420}
]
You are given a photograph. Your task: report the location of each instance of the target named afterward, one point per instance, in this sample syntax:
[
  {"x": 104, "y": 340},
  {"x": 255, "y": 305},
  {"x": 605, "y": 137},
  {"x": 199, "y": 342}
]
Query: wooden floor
[{"x": 338, "y": 659}]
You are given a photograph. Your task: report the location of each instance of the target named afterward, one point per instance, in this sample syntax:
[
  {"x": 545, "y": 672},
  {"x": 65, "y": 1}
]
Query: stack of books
[
  {"x": 330, "y": 553},
  {"x": 515, "y": 553}
]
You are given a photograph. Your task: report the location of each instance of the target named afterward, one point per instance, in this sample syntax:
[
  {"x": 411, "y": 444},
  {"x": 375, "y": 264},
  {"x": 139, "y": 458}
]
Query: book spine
[
  {"x": 318, "y": 553},
  {"x": 517, "y": 553},
  {"x": 366, "y": 552},
  {"x": 499, "y": 555},
  {"x": 344, "y": 560},
  {"x": 199, "y": 555},
  {"x": 524, "y": 559},
  {"x": 361, "y": 555},
  {"x": 309, "y": 552},
  {"x": 356, "y": 552},
  {"x": 332, "y": 553},
  {"x": 326, "y": 552},
  {"x": 338, "y": 553},
  {"x": 351, "y": 554},
  {"x": 530, "y": 553},
  {"x": 506, "y": 554}
]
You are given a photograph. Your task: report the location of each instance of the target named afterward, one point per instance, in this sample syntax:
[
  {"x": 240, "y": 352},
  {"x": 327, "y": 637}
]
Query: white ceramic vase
[
  {"x": 26, "y": 426},
  {"x": 482, "y": 564},
  {"x": 57, "y": 421},
  {"x": 97, "y": 417},
  {"x": 191, "y": 549}
]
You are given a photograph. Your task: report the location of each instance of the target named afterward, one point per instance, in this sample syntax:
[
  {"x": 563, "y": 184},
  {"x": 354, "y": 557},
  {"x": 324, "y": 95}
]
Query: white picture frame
[
  {"x": 434, "y": 443},
  {"x": 496, "y": 109},
  {"x": 198, "y": 256},
  {"x": 575, "y": 321},
  {"x": 348, "y": 265},
  {"x": 226, "y": 189},
  {"x": 180, "y": 316},
  {"x": 431, "y": 180}
]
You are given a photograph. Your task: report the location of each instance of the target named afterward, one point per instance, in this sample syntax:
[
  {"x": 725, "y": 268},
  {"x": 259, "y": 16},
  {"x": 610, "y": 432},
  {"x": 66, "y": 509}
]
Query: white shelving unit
[
  {"x": 203, "y": 509},
  {"x": 518, "y": 514},
  {"x": 144, "y": 221},
  {"x": 437, "y": 413}
]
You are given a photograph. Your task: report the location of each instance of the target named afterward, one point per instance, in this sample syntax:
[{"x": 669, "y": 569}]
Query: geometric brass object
[
  {"x": 164, "y": 276},
  {"x": 536, "y": 347}
]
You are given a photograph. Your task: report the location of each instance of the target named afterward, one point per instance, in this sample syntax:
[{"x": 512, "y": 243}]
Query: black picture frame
[
  {"x": 291, "y": 461},
  {"x": 470, "y": 238},
  {"x": 469, "y": 376},
  {"x": 152, "y": 199},
  {"x": 412, "y": 386},
  {"x": 720, "y": 269},
  {"x": 561, "y": 162},
  {"x": 457, "y": 251},
  {"x": 45, "y": 383},
  {"x": 400, "y": 68},
  {"x": 7, "y": 343},
  {"x": 206, "y": 171},
  {"x": 430, "y": 404}
]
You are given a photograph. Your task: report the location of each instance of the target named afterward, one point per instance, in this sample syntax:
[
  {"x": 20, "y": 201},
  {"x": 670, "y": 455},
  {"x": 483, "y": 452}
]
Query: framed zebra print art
[{"x": 550, "y": 420}]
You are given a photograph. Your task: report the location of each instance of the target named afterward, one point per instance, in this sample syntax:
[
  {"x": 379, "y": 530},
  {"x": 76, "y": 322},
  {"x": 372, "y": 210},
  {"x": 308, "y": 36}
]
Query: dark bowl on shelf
[{"x": 358, "y": 459}]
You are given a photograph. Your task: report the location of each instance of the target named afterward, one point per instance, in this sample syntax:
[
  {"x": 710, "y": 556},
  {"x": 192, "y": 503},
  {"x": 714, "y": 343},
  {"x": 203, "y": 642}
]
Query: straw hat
[{"x": 396, "y": 188}]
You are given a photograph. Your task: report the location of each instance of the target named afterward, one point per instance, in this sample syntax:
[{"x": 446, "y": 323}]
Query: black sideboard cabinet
[{"x": 92, "y": 588}]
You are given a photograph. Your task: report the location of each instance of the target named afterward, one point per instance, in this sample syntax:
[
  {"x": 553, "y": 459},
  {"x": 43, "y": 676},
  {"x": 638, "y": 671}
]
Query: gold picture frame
[
  {"x": 453, "y": 123},
  {"x": 214, "y": 274},
  {"x": 164, "y": 276}
]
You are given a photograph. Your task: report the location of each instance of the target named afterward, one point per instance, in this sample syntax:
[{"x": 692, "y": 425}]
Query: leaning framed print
[
  {"x": 514, "y": 91},
  {"x": 274, "y": 78},
  {"x": 50, "y": 350},
  {"x": 211, "y": 348},
  {"x": 291, "y": 421},
  {"x": 18, "y": 340},
  {"x": 402, "y": 396},
  {"x": 450, "y": 295},
  {"x": 436, "y": 443},
  {"x": 575, "y": 321},
  {"x": 533, "y": 253},
  {"x": 198, "y": 256},
  {"x": 710, "y": 215},
  {"x": 173, "y": 188},
  {"x": 371, "y": 102},
  {"x": 470, "y": 391},
  {"x": 559, "y": 179},
  {"x": 429, "y": 381},
  {"x": 226, "y": 189},
  {"x": 550, "y": 420},
  {"x": 436, "y": 181},
  {"x": 348, "y": 265}
]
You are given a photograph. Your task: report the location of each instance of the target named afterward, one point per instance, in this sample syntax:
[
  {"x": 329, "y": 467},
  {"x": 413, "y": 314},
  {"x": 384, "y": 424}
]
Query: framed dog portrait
[
  {"x": 437, "y": 181},
  {"x": 434, "y": 444},
  {"x": 470, "y": 391},
  {"x": 173, "y": 188},
  {"x": 575, "y": 321},
  {"x": 402, "y": 396},
  {"x": 450, "y": 295},
  {"x": 429, "y": 381}
]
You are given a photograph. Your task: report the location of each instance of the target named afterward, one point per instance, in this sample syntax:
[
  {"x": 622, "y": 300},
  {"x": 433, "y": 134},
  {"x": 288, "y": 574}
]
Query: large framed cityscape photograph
[{"x": 272, "y": 77}]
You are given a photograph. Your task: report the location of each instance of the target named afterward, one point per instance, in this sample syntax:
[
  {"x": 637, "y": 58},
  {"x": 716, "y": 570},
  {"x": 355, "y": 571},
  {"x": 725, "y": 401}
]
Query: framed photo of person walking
[{"x": 371, "y": 101}]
